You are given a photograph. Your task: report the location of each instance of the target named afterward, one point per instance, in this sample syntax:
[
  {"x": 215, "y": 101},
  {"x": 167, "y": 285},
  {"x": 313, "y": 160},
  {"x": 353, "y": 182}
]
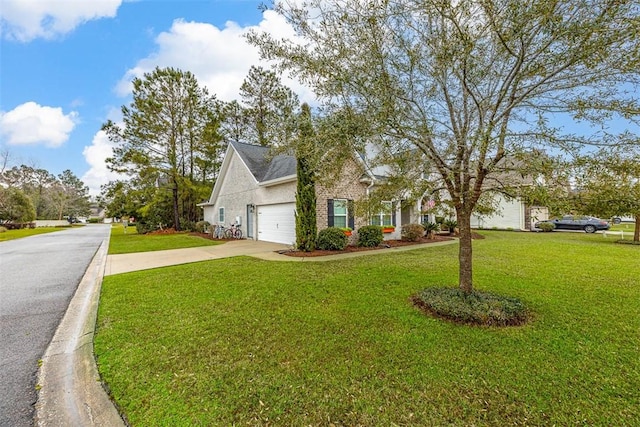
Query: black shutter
[
  {"x": 329, "y": 212},
  {"x": 393, "y": 213},
  {"x": 350, "y": 216}
]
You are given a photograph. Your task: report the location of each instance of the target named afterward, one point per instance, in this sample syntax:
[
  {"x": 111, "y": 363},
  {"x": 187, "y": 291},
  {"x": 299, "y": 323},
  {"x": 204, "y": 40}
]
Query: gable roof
[
  {"x": 265, "y": 169},
  {"x": 262, "y": 166}
]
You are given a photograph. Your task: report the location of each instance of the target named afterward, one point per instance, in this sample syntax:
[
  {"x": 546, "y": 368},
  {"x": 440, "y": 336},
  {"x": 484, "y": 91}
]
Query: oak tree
[{"x": 466, "y": 83}]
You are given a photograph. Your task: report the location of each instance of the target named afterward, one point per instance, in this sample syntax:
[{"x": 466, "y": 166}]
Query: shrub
[
  {"x": 546, "y": 226},
  {"x": 430, "y": 228},
  {"x": 18, "y": 225},
  {"x": 94, "y": 220},
  {"x": 477, "y": 308},
  {"x": 331, "y": 239},
  {"x": 451, "y": 224},
  {"x": 202, "y": 226},
  {"x": 144, "y": 228},
  {"x": 187, "y": 225},
  {"x": 370, "y": 236},
  {"x": 3, "y": 229},
  {"x": 411, "y": 232}
]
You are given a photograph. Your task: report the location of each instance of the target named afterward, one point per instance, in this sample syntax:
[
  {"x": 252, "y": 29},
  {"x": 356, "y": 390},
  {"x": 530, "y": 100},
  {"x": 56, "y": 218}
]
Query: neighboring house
[
  {"x": 512, "y": 214},
  {"x": 259, "y": 192}
]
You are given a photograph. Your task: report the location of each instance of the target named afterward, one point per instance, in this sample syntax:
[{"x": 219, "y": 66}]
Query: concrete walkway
[{"x": 125, "y": 263}]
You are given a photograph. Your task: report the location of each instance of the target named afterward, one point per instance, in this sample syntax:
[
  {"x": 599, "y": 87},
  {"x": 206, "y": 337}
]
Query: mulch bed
[{"x": 385, "y": 245}]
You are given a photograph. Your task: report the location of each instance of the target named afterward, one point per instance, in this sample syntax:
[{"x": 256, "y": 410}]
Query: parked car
[{"x": 589, "y": 224}]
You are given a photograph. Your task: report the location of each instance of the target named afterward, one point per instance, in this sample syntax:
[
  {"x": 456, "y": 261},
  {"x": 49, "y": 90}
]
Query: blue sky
[{"x": 65, "y": 68}]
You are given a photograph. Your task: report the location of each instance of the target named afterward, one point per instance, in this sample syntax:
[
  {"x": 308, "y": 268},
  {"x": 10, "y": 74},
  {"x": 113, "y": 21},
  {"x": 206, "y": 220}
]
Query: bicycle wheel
[
  {"x": 228, "y": 234},
  {"x": 238, "y": 234}
]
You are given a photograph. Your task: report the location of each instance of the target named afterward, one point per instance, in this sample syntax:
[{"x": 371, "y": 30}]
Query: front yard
[
  {"x": 128, "y": 241},
  {"x": 249, "y": 342}
]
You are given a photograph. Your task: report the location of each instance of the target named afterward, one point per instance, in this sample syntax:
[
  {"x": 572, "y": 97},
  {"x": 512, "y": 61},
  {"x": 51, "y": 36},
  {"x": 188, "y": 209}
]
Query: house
[{"x": 258, "y": 191}]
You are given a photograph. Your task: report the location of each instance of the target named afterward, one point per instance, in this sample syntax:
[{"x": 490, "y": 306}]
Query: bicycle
[
  {"x": 219, "y": 231},
  {"x": 233, "y": 232}
]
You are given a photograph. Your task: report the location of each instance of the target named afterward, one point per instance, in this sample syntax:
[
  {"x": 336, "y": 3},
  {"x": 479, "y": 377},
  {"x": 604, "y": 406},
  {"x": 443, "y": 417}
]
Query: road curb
[{"x": 70, "y": 392}]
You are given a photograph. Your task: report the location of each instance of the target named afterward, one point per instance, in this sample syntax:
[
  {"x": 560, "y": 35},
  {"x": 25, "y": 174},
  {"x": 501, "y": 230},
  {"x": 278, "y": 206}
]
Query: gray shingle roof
[{"x": 263, "y": 166}]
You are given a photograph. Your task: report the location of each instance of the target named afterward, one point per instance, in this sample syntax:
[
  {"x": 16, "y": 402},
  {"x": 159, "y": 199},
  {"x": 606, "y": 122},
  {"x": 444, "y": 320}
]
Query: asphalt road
[{"x": 38, "y": 277}]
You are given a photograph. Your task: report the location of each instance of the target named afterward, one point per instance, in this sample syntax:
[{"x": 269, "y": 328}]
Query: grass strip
[
  {"x": 26, "y": 232},
  {"x": 122, "y": 242}
]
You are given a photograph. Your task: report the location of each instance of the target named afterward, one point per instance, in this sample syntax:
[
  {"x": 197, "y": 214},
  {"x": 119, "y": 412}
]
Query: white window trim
[
  {"x": 221, "y": 215},
  {"x": 346, "y": 212},
  {"x": 380, "y": 215}
]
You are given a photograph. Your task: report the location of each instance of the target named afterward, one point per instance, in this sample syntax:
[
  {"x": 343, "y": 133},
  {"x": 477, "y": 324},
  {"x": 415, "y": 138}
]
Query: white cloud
[
  {"x": 25, "y": 20},
  {"x": 219, "y": 58},
  {"x": 32, "y": 124},
  {"x": 95, "y": 155}
]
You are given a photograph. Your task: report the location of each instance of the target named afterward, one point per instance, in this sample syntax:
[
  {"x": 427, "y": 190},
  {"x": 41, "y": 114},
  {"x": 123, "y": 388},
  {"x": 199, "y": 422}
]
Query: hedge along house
[{"x": 258, "y": 191}]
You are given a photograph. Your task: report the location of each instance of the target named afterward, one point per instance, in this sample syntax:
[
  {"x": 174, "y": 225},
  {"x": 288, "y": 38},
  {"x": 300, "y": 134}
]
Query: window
[
  {"x": 340, "y": 213},
  {"x": 384, "y": 216},
  {"x": 221, "y": 215}
]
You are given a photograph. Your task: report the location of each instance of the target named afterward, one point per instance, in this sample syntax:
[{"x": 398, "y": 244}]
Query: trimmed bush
[
  {"x": 95, "y": 220},
  {"x": 202, "y": 226},
  {"x": 370, "y": 236},
  {"x": 331, "y": 239},
  {"x": 186, "y": 225},
  {"x": 476, "y": 308},
  {"x": 18, "y": 225},
  {"x": 2, "y": 229},
  {"x": 546, "y": 226},
  {"x": 412, "y": 232},
  {"x": 144, "y": 228}
]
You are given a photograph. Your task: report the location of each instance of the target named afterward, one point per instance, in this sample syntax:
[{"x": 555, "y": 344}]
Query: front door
[{"x": 250, "y": 209}]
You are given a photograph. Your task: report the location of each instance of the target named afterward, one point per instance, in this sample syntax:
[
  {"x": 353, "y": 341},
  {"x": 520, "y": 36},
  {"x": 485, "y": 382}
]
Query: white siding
[{"x": 238, "y": 188}]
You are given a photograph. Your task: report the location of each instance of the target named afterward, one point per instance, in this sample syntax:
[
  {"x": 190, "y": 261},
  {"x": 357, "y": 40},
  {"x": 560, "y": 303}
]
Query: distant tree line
[{"x": 28, "y": 193}]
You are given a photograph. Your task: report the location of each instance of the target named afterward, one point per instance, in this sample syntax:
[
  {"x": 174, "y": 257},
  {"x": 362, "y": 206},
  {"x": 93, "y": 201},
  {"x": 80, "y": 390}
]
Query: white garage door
[{"x": 277, "y": 223}]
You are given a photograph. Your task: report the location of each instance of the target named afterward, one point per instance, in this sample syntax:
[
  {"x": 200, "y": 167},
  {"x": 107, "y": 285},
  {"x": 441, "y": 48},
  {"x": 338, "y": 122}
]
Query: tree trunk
[
  {"x": 636, "y": 233},
  {"x": 465, "y": 277},
  {"x": 176, "y": 211}
]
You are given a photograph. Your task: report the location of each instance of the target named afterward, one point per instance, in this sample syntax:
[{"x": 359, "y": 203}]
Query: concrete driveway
[{"x": 125, "y": 263}]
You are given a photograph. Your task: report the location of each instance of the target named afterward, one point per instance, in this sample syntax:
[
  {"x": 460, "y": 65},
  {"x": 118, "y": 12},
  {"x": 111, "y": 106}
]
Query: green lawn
[
  {"x": 625, "y": 226},
  {"x": 249, "y": 342},
  {"x": 131, "y": 241},
  {"x": 26, "y": 232}
]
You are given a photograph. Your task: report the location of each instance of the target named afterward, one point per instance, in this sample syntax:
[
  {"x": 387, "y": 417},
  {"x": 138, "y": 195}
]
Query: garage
[
  {"x": 277, "y": 223},
  {"x": 509, "y": 216}
]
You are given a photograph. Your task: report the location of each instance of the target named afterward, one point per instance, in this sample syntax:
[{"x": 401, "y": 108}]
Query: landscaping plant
[
  {"x": 331, "y": 239},
  {"x": 370, "y": 236},
  {"x": 412, "y": 232}
]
